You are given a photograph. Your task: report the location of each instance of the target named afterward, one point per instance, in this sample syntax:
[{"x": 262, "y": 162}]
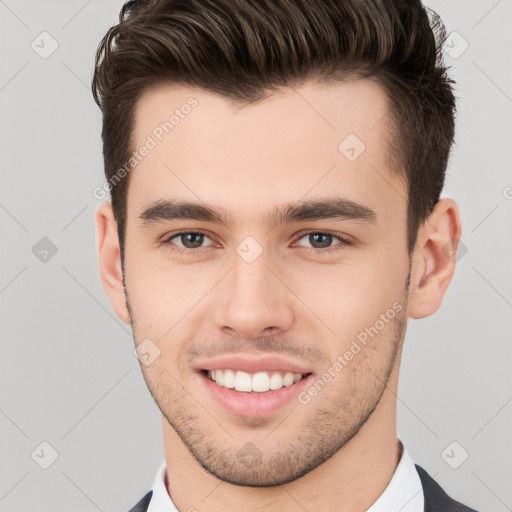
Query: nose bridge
[
  {"x": 254, "y": 299},
  {"x": 251, "y": 280}
]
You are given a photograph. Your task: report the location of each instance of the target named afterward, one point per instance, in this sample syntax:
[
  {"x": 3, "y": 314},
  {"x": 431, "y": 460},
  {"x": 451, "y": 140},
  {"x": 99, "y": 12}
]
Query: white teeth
[
  {"x": 276, "y": 381},
  {"x": 258, "y": 382},
  {"x": 288, "y": 379},
  {"x": 242, "y": 381},
  {"x": 229, "y": 378}
]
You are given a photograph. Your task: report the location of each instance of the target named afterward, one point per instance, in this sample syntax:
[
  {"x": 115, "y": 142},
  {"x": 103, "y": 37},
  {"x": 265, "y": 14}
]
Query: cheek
[
  {"x": 161, "y": 292},
  {"x": 350, "y": 297}
]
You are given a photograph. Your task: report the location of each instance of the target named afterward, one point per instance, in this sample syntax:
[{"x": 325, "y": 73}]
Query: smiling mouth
[{"x": 259, "y": 382}]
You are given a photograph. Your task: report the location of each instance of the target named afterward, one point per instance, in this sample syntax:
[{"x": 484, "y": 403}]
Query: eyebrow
[{"x": 164, "y": 210}]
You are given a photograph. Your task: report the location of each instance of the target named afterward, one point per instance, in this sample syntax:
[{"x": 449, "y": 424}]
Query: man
[{"x": 275, "y": 170}]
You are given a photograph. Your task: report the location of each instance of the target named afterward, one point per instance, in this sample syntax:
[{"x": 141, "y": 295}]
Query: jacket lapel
[
  {"x": 436, "y": 500},
  {"x": 143, "y": 504}
]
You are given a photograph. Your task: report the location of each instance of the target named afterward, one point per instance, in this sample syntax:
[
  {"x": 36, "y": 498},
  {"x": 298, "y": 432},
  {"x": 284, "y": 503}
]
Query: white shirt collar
[
  {"x": 160, "y": 499},
  {"x": 404, "y": 492}
]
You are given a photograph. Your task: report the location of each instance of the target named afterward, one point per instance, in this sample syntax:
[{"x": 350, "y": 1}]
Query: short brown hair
[{"x": 245, "y": 49}]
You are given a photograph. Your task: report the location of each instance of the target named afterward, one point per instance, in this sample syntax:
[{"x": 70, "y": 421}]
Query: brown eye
[{"x": 192, "y": 240}]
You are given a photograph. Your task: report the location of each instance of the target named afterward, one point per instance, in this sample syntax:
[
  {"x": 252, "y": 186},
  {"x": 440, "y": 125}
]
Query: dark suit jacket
[{"x": 436, "y": 500}]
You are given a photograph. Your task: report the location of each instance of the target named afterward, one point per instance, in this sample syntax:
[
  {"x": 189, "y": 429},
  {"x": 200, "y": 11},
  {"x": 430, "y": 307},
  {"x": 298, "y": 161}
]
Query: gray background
[{"x": 68, "y": 374}]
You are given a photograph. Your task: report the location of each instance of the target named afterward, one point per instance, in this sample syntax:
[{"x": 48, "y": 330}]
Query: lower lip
[{"x": 253, "y": 403}]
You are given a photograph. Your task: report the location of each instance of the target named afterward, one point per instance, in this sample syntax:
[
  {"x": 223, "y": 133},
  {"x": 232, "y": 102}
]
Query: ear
[
  {"x": 109, "y": 260},
  {"x": 434, "y": 258}
]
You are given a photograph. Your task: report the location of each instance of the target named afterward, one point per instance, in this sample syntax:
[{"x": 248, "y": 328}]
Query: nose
[{"x": 254, "y": 301}]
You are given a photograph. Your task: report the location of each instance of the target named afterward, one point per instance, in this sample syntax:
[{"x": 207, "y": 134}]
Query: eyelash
[{"x": 343, "y": 242}]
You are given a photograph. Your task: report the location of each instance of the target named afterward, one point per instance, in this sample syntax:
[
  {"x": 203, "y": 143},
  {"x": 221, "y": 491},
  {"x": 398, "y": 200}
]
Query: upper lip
[{"x": 253, "y": 364}]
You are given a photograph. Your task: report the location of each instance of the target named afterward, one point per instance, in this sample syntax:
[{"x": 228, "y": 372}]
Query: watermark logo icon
[
  {"x": 351, "y": 147},
  {"x": 455, "y": 45},
  {"x": 44, "y": 250},
  {"x": 44, "y": 45},
  {"x": 249, "y": 249},
  {"x": 454, "y": 455},
  {"x": 146, "y": 352},
  {"x": 455, "y": 254},
  {"x": 250, "y": 455},
  {"x": 44, "y": 455}
]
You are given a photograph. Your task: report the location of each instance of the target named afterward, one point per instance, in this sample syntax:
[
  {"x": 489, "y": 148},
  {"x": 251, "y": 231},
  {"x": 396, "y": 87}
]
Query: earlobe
[
  {"x": 109, "y": 260},
  {"x": 434, "y": 259}
]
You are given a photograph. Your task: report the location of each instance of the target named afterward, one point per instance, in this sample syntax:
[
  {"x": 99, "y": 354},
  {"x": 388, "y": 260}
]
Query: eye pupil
[
  {"x": 327, "y": 239},
  {"x": 197, "y": 240}
]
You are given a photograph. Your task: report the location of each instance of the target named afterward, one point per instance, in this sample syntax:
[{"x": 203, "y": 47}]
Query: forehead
[
  {"x": 312, "y": 111},
  {"x": 306, "y": 140}
]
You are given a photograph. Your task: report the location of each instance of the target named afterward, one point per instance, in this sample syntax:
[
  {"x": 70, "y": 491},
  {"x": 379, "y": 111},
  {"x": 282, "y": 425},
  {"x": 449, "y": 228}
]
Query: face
[{"x": 292, "y": 257}]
